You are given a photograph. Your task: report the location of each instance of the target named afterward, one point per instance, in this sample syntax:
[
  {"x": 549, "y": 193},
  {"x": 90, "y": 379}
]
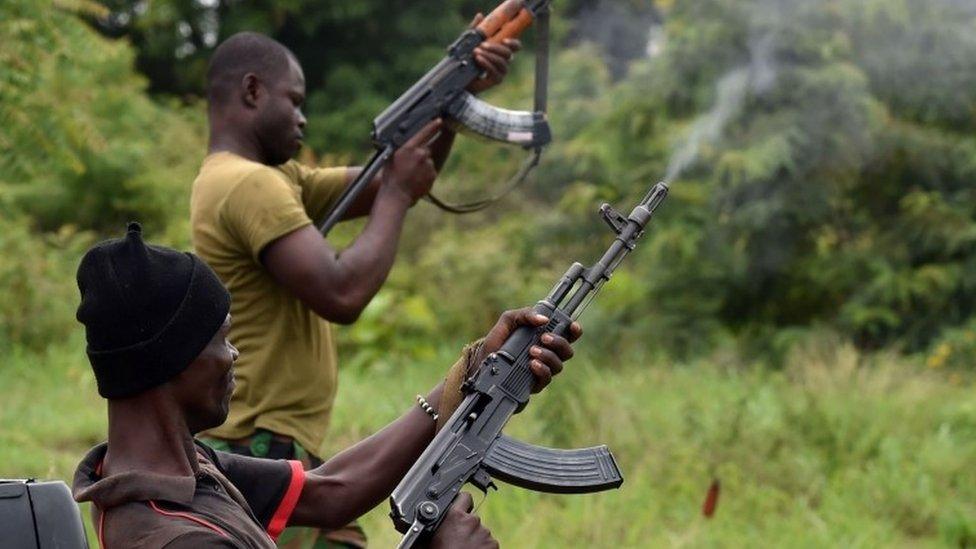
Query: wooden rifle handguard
[
  {"x": 505, "y": 12},
  {"x": 514, "y": 28},
  {"x": 508, "y": 20}
]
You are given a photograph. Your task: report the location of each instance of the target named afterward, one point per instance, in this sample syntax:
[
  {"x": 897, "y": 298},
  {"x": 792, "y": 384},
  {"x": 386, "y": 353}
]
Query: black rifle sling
[
  {"x": 542, "y": 61},
  {"x": 541, "y": 106}
]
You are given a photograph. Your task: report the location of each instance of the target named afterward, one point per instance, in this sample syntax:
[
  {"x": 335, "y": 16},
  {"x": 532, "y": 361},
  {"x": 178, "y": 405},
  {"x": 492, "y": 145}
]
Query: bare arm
[
  {"x": 338, "y": 286},
  {"x": 359, "y": 478}
]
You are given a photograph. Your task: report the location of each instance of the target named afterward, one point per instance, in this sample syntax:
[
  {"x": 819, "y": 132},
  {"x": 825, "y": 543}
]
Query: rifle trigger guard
[{"x": 482, "y": 480}]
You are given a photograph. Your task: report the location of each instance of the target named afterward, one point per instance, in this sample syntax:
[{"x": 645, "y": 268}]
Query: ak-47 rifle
[
  {"x": 441, "y": 93},
  {"x": 471, "y": 448}
]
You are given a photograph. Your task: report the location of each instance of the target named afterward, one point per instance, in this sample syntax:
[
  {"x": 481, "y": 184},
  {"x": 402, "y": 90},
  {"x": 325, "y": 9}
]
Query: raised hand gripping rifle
[
  {"x": 471, "y": 449},
  {"x": 441, "y": 93}
]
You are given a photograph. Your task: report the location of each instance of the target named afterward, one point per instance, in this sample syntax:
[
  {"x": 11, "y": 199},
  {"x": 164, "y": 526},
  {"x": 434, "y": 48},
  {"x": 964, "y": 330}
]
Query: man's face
[
  {"x": 204, "y": 388},
  {"x": 280, "y": 123}
]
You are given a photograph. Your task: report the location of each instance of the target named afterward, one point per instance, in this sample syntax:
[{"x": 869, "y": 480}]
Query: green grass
[{"x": 836, "y": 449}]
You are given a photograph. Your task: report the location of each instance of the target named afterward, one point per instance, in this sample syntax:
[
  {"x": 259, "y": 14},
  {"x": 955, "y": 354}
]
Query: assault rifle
[
  {"x": 441, "y": 93},
  {"x": 471, "y": 449}
]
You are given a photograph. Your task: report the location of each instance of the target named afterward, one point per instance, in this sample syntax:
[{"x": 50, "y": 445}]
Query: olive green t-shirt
[{"x": 286, "y": 374}]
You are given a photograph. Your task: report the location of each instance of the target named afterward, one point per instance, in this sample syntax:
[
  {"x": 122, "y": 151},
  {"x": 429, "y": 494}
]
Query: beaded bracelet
[{"x": 426, "y": 407}]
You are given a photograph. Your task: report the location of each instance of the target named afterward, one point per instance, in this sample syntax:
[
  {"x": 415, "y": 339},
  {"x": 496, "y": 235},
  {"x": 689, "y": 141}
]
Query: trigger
[{"x": 482, "y": 480}]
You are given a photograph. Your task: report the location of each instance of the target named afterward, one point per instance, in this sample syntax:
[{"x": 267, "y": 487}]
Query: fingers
[
  {"x": 494, "y": 65},
  {"x": 519, "y": 317},
  {"x": 478, "y": 18},
  {"x": 462, "y": 528},
  {"x": 463, "y": 502},
  {"x": 495, "y": 58},
  {"x": 507, "y": 323},
  {"x": 506, "y": 49},
  {"x": 543, "y": 375},
  {"x": 575, "y": 332},
  {"x": 559, "y": 345},
  {"x": 412, "y": 167},
  {"x": 546, "y": 358},
  {"x": 426, "y": 134}
]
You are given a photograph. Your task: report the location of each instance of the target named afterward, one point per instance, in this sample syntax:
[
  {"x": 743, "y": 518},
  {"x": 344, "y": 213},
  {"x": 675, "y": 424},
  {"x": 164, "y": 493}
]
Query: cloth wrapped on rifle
[{"x": 452, "y": 394}]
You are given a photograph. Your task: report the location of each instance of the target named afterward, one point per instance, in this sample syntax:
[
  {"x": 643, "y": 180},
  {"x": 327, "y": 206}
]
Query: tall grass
[{"x": 835, "y": 449}]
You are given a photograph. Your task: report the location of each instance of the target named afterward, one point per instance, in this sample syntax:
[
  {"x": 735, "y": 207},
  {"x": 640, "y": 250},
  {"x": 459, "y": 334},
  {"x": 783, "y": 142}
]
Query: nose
[
  {"x": 301, "y": 120},
  {"x": 234, "y": 353}
]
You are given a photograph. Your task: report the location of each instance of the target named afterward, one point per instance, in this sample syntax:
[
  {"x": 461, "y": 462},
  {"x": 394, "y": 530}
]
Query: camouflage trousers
[{"x": 265, "y": 444}]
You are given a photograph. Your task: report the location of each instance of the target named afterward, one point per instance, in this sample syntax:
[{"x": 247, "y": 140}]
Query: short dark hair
[{"x": 240, "y": 54}]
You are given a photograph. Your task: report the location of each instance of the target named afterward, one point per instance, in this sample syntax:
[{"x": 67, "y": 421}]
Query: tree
[
  {"x": 839, "y": 192},
  {"x": 83, "y": 144}
]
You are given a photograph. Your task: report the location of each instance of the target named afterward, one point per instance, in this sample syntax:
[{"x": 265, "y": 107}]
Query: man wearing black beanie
[
  {"x": 156, "y": 322},
  {"x": 148, "y": 306}
]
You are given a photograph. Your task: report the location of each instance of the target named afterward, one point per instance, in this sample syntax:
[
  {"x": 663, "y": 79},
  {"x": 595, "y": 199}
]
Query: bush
[
  {"x": 37, "y": 276},
  {"x": 82, "y": 142}
]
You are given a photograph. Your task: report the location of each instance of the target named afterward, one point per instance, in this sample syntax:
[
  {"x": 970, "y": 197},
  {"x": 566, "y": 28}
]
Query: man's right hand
[
  {"x": 411, "y": 169},
  {"x": 462, "y": 528}
]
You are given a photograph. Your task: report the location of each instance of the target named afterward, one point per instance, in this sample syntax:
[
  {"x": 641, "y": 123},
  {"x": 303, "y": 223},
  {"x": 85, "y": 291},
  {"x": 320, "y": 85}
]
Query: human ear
[{"x": 251, "y": 90}]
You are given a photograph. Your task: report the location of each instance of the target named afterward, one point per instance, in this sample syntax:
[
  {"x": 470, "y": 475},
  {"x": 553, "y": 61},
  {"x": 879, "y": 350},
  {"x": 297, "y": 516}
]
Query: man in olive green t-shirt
[
  {"x": 252, "y": 212},
  {"x": 238, "y": 207}
]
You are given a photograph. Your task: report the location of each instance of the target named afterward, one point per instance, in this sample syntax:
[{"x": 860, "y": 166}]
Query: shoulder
[
  {"x": 256, "y": 187},
  {"x": 304, "y": 175},
  {"x": 148, "y": 524},
  {"x": 260, "y": 176},
  {"x": 223, "y": 172},
  {"x": 227, "y": 179},
  {"x": 293, "y": 170}
]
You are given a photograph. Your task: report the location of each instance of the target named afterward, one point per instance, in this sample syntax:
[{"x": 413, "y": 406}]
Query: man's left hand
[
  {"x": 493, "y": 59},
  {"x": 547, "y": 358}
]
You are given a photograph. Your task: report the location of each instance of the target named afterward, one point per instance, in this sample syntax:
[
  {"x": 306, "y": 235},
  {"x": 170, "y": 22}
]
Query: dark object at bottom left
[{"x": 39, "y": 515}]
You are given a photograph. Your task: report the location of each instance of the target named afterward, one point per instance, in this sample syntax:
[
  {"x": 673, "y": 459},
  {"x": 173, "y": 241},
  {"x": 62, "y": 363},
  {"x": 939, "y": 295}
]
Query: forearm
[
  {"x": 364, "y": 201},
  {"x": 359, "y": 478},
  {"x": 365, "y": 264}
]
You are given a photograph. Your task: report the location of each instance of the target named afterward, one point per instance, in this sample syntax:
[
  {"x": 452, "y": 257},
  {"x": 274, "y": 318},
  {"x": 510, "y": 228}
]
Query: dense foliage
[
  {"x": 82, "y": 151},
  {"x": 356, "y": 55},
  {"x": 835, "y": 190},
  {"x": 83, "y": 144},
  {"x": 839, "y": 193},
  {"x": 821, "y": 155}
]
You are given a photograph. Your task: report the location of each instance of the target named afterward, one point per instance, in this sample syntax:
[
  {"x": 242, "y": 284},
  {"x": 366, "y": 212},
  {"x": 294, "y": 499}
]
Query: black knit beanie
[{"x": 148, "y": 311}]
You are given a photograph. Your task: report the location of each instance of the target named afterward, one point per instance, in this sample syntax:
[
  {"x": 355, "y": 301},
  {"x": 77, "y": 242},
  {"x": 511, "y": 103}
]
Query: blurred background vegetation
[{"x": 799, "y": 322}]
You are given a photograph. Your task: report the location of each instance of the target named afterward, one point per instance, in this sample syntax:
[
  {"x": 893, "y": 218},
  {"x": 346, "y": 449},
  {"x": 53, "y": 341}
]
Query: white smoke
[
  {"x": 730, "y": 94},
  {"x": 655, "y": 40}
]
